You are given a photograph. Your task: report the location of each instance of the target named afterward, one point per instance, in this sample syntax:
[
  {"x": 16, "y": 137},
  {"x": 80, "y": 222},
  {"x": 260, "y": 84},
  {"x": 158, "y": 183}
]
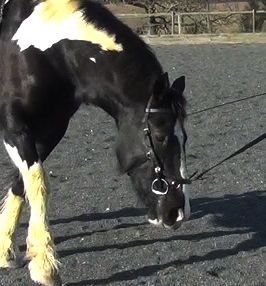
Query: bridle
[
  {"x": 161, "y": 184},
  {"x": 2, "y": 4}
]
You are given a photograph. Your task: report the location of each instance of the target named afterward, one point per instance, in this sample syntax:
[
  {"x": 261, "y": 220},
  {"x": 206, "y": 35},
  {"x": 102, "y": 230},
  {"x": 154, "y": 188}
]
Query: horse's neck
[{"x": 14, "y": 12}]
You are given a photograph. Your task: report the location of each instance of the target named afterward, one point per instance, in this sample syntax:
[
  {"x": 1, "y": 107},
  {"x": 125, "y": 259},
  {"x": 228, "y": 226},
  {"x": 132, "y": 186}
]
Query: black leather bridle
[
  {"x": 161, "y": 184},
  {"x": 2, "y": 4}
]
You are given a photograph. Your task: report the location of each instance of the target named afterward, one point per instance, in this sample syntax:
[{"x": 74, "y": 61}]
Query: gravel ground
[{"x": 99, "y": 226}]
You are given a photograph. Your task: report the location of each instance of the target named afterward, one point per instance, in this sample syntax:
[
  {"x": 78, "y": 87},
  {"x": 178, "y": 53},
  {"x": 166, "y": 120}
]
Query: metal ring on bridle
[{"x": 165, "y": 187}]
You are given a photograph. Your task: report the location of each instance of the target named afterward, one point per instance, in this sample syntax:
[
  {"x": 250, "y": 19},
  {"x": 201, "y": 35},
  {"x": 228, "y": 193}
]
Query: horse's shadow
[
  {"x": 246, "y": 210},
  {"x": 236, "y": 214},
  {"x": 240, "y": 213},
  {"x": 123, "y": 213}
]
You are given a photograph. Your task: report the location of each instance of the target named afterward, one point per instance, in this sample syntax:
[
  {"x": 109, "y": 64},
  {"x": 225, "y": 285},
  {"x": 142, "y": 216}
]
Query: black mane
[{"x": 98, "y": 14}]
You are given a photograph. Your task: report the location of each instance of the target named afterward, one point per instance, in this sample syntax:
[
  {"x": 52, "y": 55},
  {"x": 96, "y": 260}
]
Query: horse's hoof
[
  {"x": 49, "y": 282},
  {"x": 18, "y": 263},
  {"x": 46, "y": 280},
  {"x": 15, "y": 263},
  {"x": 57, "y": 280}
]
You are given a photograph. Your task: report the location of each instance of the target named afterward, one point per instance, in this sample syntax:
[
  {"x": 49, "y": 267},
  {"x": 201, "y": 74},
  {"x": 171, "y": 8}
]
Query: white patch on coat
[
  {"x": 93, "y": 60},
  {"x": 183, "y": 168},
  {"x": 50, "y": 23},
  {"x": 6, "y": 1},
  {"x": 15, "y": 157}
]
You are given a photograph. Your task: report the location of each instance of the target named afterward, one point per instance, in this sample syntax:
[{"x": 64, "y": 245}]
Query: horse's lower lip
[
  {"x": 157, "y": 222},
  {"x": 173, "y": 226},
  {"x": 179, "y": 220}
]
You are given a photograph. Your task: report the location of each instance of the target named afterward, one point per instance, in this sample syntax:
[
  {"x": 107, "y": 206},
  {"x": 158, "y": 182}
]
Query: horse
[{"x": 57, "y": 55}]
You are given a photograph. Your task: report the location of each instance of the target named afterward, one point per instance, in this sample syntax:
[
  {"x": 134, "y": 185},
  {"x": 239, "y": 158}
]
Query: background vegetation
[{"x": 191, "y": 24}]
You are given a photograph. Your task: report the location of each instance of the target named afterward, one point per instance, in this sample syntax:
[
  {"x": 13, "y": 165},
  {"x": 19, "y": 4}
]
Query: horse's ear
[
  {"x": 179, "y": 84},
  {"x": 161, "y": 84}
]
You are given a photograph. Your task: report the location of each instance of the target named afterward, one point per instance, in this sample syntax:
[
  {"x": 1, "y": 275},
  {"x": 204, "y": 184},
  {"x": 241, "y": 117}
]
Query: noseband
[{"x": 160, "y": 185}]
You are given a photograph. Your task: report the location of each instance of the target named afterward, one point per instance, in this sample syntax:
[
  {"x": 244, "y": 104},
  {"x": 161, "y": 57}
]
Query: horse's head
[{"x": 151, "y": 149}]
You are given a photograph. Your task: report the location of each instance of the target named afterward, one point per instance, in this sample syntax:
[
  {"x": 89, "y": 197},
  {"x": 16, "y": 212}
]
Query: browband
[{"x": 158, "y": 110}]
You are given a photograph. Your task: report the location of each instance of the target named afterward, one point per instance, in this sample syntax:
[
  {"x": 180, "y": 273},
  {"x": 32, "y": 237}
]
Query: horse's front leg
[
  {"x": 40, "y": 247},
  {"x": 21, "y": 148},
  {"x": 9, "y": 218}
]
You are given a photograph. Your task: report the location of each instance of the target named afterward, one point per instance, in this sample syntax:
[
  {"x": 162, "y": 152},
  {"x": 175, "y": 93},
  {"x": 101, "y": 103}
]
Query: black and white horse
[{"x": 55, "y": 56}]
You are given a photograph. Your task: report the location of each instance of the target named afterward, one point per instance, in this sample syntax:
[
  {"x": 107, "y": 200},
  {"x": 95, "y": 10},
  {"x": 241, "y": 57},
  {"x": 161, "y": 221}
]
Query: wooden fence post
[
  {"x": 179, "y": 24},
  {"x": 208, "y": 18},
  {"x": 152, "y": 23},
  {"x": 173, "y": 22},
  {"x": 254, "y": 21}
]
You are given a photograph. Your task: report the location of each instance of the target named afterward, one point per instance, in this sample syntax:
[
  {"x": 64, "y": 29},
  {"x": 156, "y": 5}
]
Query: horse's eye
[{"x": 160, "y": 138}]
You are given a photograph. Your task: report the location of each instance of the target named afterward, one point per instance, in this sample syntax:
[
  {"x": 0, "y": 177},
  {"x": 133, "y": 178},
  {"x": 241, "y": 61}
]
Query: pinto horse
[{"x": 55, "y": 56}]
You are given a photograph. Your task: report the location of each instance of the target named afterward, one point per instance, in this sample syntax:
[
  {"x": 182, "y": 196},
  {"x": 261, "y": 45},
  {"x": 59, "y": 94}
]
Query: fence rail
[{"x": 177, "y": 18}]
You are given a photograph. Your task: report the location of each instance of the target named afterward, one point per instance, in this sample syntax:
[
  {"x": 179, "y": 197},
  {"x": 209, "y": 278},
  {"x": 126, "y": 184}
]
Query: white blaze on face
[
  {"x": 183, "y": 168},
  {"x": 52, "y": 21}
]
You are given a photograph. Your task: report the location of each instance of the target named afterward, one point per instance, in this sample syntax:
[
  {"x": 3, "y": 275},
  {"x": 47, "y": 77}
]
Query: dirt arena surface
[{"x": 101, "y": 230}]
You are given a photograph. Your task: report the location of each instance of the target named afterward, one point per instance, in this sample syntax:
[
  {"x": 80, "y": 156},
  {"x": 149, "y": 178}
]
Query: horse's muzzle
[{"x": 170, "y": 211}]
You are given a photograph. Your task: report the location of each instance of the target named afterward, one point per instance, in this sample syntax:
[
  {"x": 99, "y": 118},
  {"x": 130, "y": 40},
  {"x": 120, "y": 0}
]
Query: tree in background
[
  {"x": 196, "y": 24},
  {"x": 260, "y": 18},
  {"x": 162, "y": 24}
]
